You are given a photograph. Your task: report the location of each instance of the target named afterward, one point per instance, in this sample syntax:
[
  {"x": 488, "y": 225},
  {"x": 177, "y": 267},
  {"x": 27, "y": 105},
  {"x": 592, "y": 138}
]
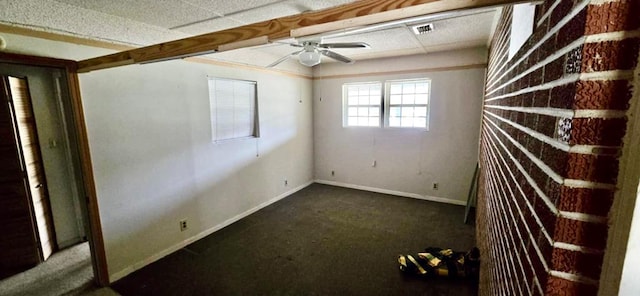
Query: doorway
[
  {"x": 28, "y": 235},
  {"x": 58, "y": 210}
]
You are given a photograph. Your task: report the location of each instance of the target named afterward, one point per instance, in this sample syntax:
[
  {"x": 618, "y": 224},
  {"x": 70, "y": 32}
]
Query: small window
[
  {"x": 362, "y": 104},
  {"x": 233, "y": 108},
  {"x": 407, "y": 103}
]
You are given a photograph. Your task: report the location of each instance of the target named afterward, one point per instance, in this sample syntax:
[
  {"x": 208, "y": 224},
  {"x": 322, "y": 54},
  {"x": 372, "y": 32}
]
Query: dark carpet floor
[{"x": 322, "y": 240}]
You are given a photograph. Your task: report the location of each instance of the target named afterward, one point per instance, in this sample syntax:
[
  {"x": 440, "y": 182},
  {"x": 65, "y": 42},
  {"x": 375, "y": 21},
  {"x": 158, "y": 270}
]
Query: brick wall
[{"x": 553, "y": 123}]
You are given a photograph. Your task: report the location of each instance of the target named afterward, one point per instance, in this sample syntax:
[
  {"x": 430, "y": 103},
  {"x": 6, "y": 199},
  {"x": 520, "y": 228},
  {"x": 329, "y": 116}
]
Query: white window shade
[{"x": 233, "y": 108}]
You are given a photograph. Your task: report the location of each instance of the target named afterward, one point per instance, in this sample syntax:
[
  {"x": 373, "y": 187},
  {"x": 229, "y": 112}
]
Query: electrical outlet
[
  {"x": 183, "y": 225},
  {"x": 333, "y": 173},
  {"x": 374, "y": 163},
  {"x": 286, "y": 182},
  {"x": 435, "y": 186}
]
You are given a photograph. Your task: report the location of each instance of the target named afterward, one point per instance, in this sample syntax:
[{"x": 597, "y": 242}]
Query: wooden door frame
[{"x": 99, "y": 259}]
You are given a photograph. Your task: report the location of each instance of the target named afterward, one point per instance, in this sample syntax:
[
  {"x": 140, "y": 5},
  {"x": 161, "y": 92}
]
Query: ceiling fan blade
[
  {"x": 284, "y": 58},
  {"x": 336, "y": 56},
  {"x": 344, "y": 45}
]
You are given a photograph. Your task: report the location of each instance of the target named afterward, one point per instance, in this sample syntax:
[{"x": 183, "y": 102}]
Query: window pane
[
  {"x": 408, "y": 102},
  {"x": 407, "y": 112},
  {"x": 364, "y": 102},
  {"x": 408, "y": 88},
  {"x": 408, "y": 99},
  {"x": 420, "y": 111},
  {"x": 394, "y": 112},
  {"x": 422, "y": 99},
  {"x": 407, "y": 122},
  {"x": 422, "y": 88},
  {"x": 353, "y": 91},
  {"x": 396, "y": 89},
  {"x": 363, "y": 90}
]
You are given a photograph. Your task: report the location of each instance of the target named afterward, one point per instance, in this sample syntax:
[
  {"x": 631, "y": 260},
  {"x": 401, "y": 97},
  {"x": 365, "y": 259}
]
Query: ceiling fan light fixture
[{"x": 309, "y": 58}]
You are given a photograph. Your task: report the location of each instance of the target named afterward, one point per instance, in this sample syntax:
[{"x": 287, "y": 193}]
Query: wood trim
[
  {"x": 101, "y": 272},
  {"x": 100, "y": 269},
  {"x": 364, "y": 12},
  {"x": 423, "y": 70},
  {"x": 14, "y": 58},
  {"x": 248, "y": 67},
  {"x": 25, "y": 31}
]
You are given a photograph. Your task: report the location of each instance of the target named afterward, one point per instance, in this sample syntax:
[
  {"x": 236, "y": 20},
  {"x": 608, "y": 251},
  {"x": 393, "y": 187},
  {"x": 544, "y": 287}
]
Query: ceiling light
[{"x": 309, "y": 58}]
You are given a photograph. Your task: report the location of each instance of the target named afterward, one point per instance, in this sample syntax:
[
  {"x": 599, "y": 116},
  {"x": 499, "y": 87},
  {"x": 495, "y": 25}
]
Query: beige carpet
[{"x": 67, "y": 272}]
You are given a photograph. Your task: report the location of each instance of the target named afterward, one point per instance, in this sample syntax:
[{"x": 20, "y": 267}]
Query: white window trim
[
  {"x": 256, "y": 121},
  {"x": 345, "y": 104},
  {"x": 387, "y": 104}
]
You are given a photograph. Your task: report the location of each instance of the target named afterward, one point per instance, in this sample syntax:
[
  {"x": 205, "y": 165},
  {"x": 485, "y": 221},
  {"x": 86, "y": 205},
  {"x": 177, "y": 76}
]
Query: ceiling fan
[{"x": 312, "y": 50}]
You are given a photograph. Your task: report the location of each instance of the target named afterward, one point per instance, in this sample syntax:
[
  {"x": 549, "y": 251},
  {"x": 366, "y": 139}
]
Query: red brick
[
  {"x": 610, "y": 55},
  {"x": 584, "y": 200},
  {"x": 592, "y": 235},
  {"x": 602, "y": 94},
  {"x": 593, "y": 168},
  {"x": 598, "y": 131},
  {"x": 562, "y": 287},
  {"x": 587, "y": 264},
  {"x": 613, "y": 16}
]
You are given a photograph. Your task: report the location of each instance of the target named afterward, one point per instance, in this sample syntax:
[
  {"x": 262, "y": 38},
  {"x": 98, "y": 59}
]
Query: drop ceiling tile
[
  {"x": 462, "y": 30},
  {"x": 162, "y": 13},
  {"x": 242, "y": 13},
  {"x": 209, "y": 26},
  {"x": 229, "y": 7},
  {"x": 61, "y": 17},
  {"x": 266, "y": 13},
  {"x": 383, "y": 40}
]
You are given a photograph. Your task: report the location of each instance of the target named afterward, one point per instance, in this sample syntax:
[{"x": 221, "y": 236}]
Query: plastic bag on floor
[{"x": 434, "y": 262}]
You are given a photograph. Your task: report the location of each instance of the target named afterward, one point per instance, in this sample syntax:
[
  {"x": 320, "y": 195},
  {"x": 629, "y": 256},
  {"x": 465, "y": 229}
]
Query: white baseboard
[
  {"x": 140, "y": 264},
  {"x": 393, "y": 192}
]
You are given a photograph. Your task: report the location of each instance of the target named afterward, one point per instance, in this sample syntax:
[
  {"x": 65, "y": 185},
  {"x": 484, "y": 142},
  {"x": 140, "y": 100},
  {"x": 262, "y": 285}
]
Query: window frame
[
  {"x": 388, "y": 105},
  {"x": 345, "y": 104},
  {"x": 213, "y": 107}
]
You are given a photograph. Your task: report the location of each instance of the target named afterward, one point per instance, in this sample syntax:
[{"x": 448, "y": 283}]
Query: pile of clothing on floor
[{"x": 435, "y": 262}]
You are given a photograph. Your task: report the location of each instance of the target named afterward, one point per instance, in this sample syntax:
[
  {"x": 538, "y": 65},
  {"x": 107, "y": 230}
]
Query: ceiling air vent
[{"x": 422, "y": 29}]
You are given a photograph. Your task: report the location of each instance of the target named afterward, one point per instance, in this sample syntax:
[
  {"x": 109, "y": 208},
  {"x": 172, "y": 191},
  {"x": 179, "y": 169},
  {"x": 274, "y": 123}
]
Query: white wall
[
  {"x": 408, "y": 160},
  {"x": 154, "y": 162}
]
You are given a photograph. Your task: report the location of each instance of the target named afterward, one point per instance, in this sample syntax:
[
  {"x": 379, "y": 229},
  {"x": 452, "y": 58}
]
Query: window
[
  {"x": 233, "y": 108},
  {"x": 362, "y": 103},
  {"x": 522, "y": 24},
  {"x": 407, "y": 103}
]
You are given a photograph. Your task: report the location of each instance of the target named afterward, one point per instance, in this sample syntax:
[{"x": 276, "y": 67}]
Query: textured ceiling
[{"x": 145, "y": 22}]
